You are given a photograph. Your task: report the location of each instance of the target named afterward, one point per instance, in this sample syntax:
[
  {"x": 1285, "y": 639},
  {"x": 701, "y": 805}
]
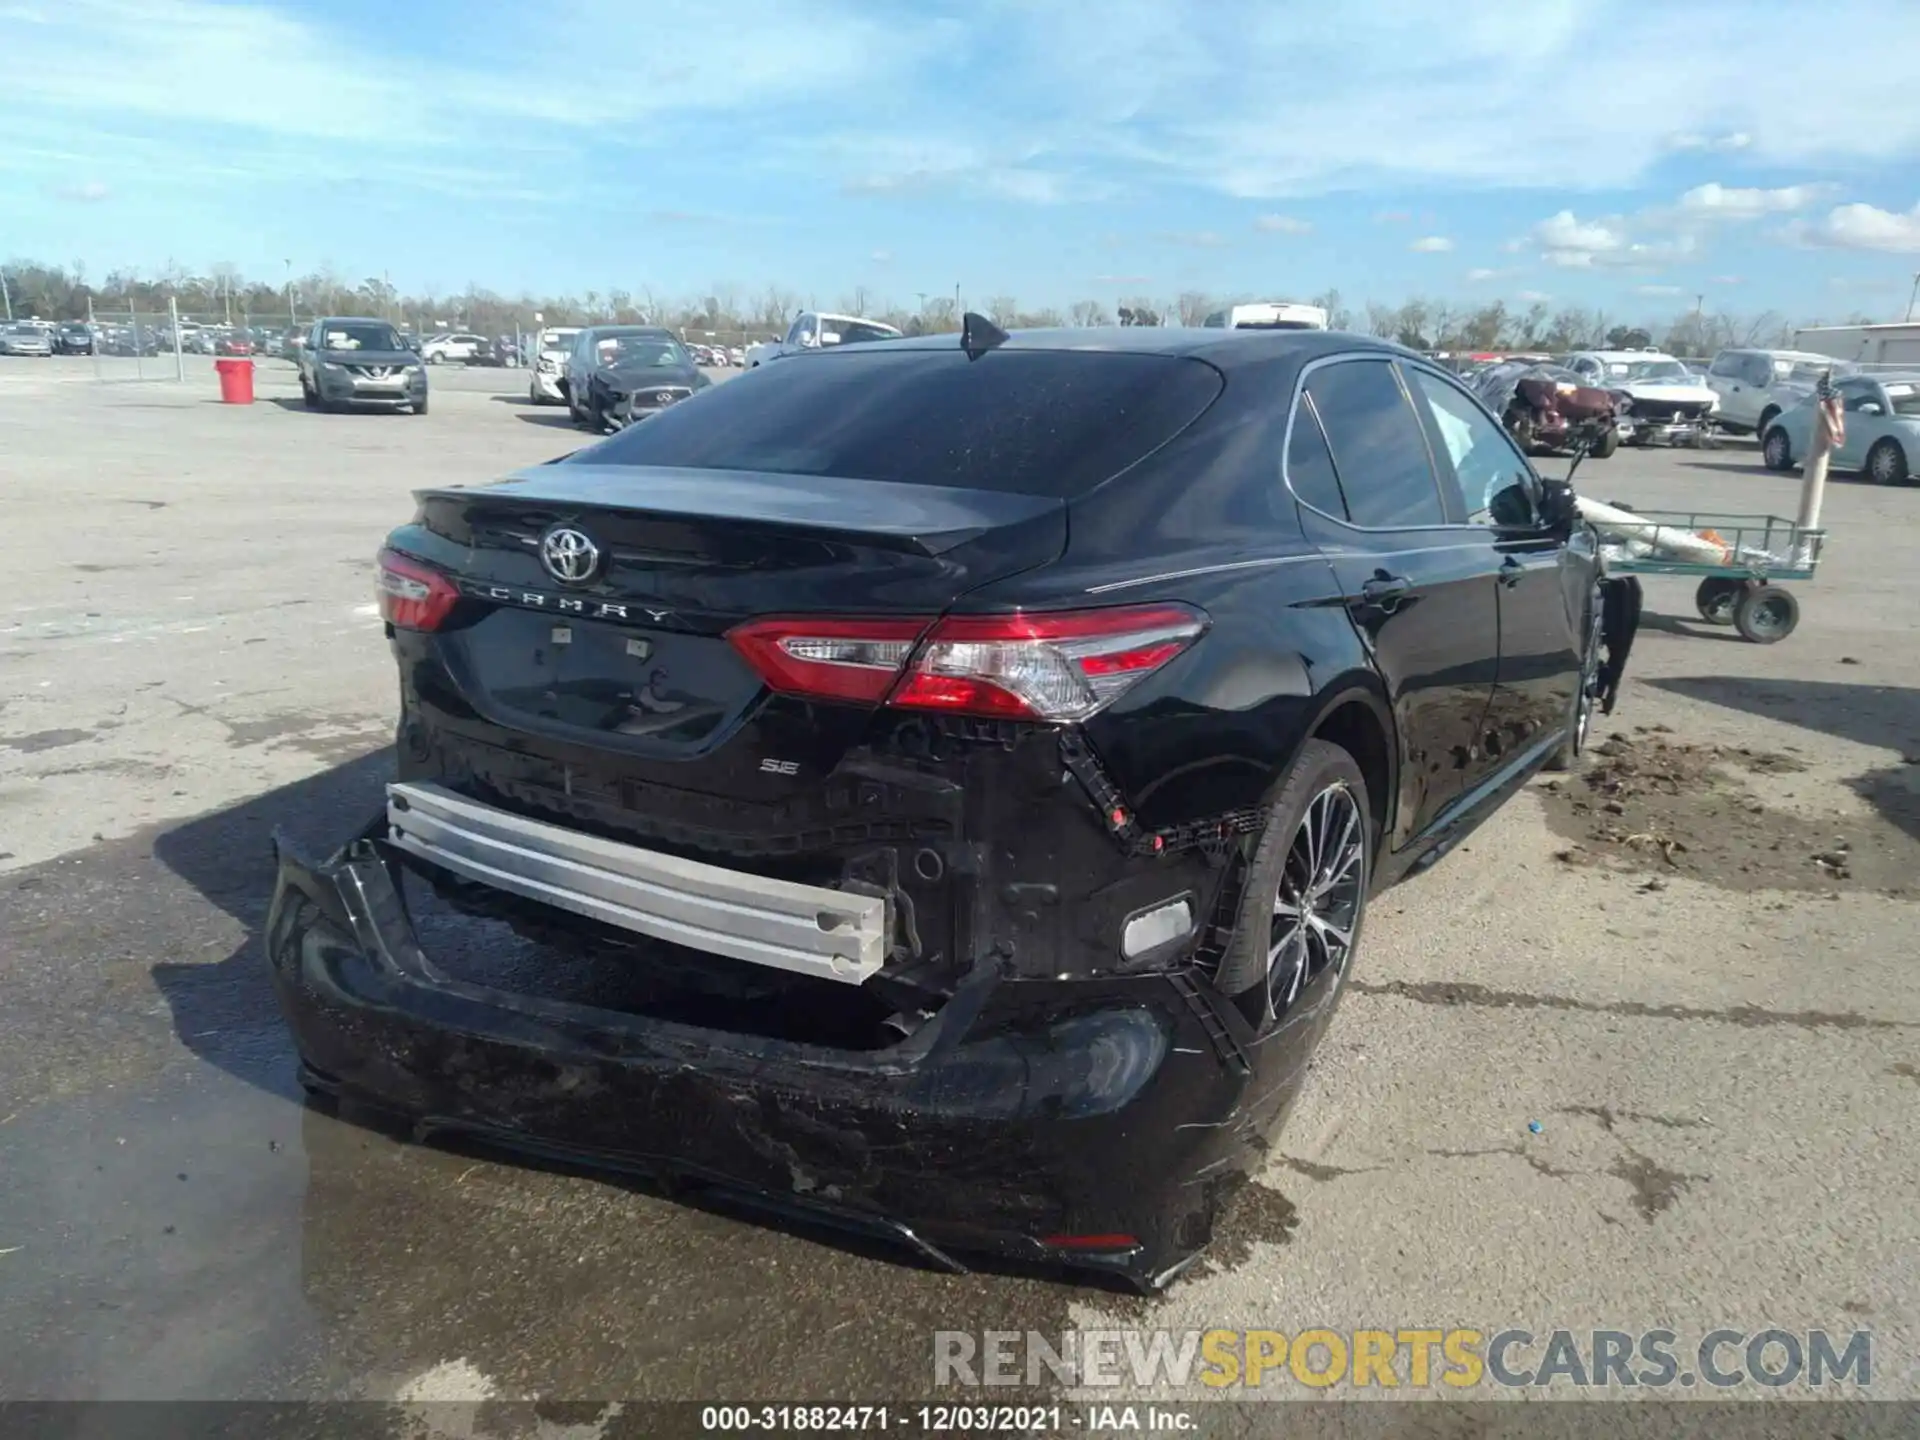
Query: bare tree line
[{"x": 56, "y": 292}]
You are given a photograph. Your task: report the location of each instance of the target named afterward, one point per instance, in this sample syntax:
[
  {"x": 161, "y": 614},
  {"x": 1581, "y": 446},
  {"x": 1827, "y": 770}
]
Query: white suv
[
  {"x": 813, "y": 329},
  {"x": 550, "y": 349},
  {"x": 1756, "y": 385},
  {"x": 460, "y": 347}
]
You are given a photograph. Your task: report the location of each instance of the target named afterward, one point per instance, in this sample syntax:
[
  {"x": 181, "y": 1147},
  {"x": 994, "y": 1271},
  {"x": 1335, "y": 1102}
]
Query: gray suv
[{"x": 348, "y": 362}]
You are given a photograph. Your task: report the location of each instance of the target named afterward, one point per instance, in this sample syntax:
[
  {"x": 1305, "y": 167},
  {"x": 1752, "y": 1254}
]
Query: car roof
[
  {"x": 1226, "y": 349},
  {"x": 353, "y": 320},
  {"x": 1896, "y": 377},
  {"x": 1627, "y": 355},
  {"x": 611, "y": 329}
]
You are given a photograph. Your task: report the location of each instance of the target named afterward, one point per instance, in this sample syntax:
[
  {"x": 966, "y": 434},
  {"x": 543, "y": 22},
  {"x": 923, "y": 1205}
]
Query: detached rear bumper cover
[{"x": 1025, "y": 1111}]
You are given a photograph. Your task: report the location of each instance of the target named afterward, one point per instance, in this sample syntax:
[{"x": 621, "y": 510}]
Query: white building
[{"x": 1897, "y": 344}]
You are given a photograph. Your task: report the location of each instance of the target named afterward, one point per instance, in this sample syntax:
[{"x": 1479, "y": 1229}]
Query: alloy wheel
[{"x": 1317, "y": 907}]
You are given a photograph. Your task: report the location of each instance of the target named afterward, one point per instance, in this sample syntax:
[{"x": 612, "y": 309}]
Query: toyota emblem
[{"x": 569, "y": 555}]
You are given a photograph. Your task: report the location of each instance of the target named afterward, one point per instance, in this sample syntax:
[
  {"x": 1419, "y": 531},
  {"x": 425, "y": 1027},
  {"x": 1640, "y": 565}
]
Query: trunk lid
[{"x": 622, "y": 647}]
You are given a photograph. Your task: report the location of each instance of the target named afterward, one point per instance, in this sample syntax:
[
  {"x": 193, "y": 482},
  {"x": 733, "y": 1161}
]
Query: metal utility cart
[{"x": 1761, "y": 549}]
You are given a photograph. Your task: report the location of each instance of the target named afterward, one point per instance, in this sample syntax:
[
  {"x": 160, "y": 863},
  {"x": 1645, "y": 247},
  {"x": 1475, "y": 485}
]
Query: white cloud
[
  {"x": 85, "y": 191},
  {"x": 1123, "y": 279},
  {"x": 1282, "y": 225},
  {"x": 1566, "y": 241},
  {"x": 1197, "y": 239},
  {"x": 881, "y": 257},
  {"x": 1483, "y": 272},
  {"x": 1658, "y": 290},
  {"x": 1738, "y": 140},
  {"x": 1393, "y": 217},
  {"x": 1715, "y": 201},
  {"x": 1863, "y": 227},
  {"x": 1726, "y": 279},
  {"x": 1562, "y": 237},
  {"x": 1432, "y": 245},
  {"x": 1535, "y": 297}
]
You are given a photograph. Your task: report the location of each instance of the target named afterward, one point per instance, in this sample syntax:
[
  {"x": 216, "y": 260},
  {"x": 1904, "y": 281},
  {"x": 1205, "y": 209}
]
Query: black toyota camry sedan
[{"x": 936, "y": 787}]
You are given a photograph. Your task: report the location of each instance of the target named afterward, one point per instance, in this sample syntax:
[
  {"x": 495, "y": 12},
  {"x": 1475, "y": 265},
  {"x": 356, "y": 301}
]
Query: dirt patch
[{"x": 1648, "y": 803}]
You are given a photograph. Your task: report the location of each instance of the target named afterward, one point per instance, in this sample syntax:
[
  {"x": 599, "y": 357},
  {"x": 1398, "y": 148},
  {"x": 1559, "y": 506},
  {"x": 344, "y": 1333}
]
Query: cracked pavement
[{"x": 1723, "y": 1072}]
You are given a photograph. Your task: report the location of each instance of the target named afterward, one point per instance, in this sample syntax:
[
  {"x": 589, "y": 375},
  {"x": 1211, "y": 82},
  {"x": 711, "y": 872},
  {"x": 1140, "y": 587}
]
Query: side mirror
[
  {"x": 1555, "y": 507},
  {"x": 1870, "y": 408}
]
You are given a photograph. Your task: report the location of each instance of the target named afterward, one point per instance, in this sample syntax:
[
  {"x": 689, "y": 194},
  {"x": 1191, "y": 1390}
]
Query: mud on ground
[{"x": 1646, "y": 802}]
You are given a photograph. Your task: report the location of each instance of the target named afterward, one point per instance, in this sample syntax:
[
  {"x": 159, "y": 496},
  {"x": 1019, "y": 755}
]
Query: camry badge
[{"x": 569, "y": 555}]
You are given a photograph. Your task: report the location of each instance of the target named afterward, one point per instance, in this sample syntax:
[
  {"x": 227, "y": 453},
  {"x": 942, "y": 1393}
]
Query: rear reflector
[
  {"x": 1091, "y": 1242},
  {"x": 413, "y": 596},
  {"x": 1054, "y": 666}
]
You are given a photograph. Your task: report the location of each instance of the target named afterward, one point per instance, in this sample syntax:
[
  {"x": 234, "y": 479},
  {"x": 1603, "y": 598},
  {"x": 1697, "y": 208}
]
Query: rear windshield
[{"x": 1050, "y": 423}]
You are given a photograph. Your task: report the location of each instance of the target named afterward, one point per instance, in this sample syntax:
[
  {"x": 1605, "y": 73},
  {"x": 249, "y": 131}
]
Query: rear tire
[
  {"x": 1767, "y": 417},
  {"x": 1887, "y": 463},
  {"x": 1301, "y": 916},
  {"x": 1609, "y": 443},
  {"x": 1775, "y": 451}
]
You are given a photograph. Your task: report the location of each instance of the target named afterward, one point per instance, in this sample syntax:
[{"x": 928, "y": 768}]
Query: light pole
[
  {"x": 1912, "y": 295},
  {"x": 6, "y": 294},
  {"x": 293, "y": 322}
]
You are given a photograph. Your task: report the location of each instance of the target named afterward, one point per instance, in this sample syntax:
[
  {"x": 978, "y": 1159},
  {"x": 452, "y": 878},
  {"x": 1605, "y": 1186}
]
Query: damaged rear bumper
[{"x": 1096, "y": 1123}]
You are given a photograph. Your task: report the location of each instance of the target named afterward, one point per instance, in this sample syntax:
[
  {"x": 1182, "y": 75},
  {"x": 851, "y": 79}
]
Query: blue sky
[{"x": 1613, "y": 153}]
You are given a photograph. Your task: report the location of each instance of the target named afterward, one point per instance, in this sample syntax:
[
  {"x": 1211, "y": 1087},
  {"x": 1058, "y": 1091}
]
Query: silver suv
[{"x": 1756, "y": 385}]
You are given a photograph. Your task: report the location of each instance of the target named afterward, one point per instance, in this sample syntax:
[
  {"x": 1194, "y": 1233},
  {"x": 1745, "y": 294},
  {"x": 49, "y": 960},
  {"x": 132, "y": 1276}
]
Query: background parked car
[
  {"x": 74, "y": 338},
  {"x": 546, "y": 376},
  {"x": 1756, "y": 385},
  {"x": 1882, "y": 417},
  {"x": 593, "y": 347},
  {"x": 816, "y": 330},
  {"x": 25, "y": 339},
  {"x": 458, "y": 347},
  {"x": 640, "y": 373},
  {"x": 351, "y": 361}
]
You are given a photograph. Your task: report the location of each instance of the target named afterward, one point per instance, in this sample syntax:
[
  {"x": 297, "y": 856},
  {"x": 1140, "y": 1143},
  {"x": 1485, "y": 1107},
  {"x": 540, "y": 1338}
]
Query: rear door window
[
  {"x": 1310, "y": 472},
  {"x": 1030, "y": 422},
  {"x": 1378, "y": 448}
]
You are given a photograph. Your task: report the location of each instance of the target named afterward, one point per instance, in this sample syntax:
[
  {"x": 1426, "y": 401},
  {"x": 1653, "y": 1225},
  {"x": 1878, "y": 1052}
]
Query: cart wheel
[
  {"x": 1766, "y": 614},
  {"x": 1716, "y": 598}
]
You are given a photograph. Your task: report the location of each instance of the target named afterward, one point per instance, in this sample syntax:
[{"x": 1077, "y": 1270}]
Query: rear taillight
[
  {"x": 1054, "y": 666},
  {"x": 413, "y": 596}
]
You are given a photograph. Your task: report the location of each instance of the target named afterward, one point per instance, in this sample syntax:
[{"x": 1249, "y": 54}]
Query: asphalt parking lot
[{"x": 1696, "y": 979}]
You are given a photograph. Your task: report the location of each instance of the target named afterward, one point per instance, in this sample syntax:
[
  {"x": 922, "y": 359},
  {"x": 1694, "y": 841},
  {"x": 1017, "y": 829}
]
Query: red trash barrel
[{"x": 236, "y": 381}]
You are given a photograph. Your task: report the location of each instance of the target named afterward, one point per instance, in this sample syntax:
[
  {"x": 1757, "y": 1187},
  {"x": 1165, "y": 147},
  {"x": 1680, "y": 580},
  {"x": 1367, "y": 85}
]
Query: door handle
[
  {"x": 1510, "y": 572},
  {"x": 1386, "y": 591}
]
